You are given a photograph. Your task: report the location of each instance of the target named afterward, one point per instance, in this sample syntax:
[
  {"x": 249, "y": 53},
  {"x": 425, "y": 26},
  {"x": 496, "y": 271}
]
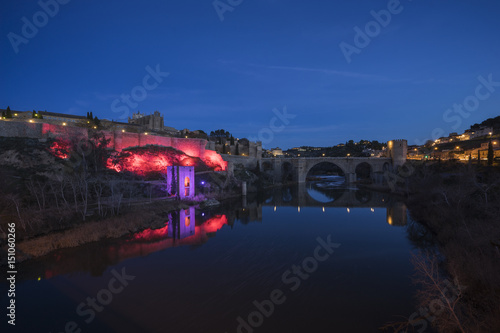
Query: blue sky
[{"x": 264, "y": 55}]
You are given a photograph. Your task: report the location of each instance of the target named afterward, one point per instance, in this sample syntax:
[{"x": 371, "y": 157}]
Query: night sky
[{"x": 230, "y": 68}]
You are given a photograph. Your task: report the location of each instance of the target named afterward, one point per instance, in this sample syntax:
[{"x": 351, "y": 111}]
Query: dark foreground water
[{"x": 309, "y": 259}]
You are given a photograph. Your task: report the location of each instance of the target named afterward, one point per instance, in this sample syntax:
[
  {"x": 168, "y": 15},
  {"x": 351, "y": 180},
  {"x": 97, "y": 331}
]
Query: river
[{"x": 295, "y": 259}]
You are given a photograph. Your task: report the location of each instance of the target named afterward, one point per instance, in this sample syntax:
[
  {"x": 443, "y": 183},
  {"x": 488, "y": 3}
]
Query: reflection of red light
[
  {"x": 140, "y": 244},
  {"x": 150, "y": 235},
  {"x": 214, "y": 224}
]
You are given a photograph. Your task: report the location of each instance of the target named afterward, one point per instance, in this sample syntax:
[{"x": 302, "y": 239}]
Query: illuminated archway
[{"x": 187, "y": 183}]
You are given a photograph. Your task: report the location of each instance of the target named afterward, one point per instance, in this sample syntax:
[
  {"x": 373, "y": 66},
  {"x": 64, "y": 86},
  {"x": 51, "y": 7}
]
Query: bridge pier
[{"x": 350, "y": 177}]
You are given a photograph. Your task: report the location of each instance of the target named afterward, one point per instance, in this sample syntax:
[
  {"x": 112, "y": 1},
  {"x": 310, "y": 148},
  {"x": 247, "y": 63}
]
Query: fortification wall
[
  {"x": 118, "y": 140},
  {"x": 248, "y": 162},
  {"x": 9, "y": 128}
]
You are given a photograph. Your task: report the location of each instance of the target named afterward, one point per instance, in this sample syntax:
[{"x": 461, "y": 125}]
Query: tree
[
  {"x": 490, "y": 153},
  {"x": 8, "y": 114},
  {"x": 34, "y": 114},
  {"x": 3, "y": 114},
  {"x": 224, "y": 151},
  {"x": 91, "y": 116},
  {"x": 237, "y": 152},
  {"x": 88, "y": 115},
  {"x": 232, "y": 140},
  {"x": 97, "y": 122}
]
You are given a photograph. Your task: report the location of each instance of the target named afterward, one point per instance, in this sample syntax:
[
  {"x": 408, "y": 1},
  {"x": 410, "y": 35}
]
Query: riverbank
[
  {"x": 137, "y": 218},
  {"x": 459, "y": 205}
]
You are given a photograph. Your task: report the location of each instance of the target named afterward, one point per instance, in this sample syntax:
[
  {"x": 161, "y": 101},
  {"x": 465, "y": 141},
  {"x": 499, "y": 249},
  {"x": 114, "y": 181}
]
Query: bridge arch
[
  {"x": 364, "y": 170},
  {"x": 267, "y": 166},
  {"x": 338, "y": 166}
]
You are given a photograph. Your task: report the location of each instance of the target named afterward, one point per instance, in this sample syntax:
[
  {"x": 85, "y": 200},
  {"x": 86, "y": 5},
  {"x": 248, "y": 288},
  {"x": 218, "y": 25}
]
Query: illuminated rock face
[
  {"x": 140, "y": 163},
  {"x": 152, "y": 159}
]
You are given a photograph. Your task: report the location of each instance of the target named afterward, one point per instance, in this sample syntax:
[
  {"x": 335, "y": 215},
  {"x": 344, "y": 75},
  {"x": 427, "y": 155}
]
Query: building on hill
[
  {"x": 480, "y": 132},
  {"x": 277, "y": 152},
  {"x": 153, "y": 122}
]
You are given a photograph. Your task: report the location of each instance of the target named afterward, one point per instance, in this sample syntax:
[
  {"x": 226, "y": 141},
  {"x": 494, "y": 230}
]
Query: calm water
[{"x": 205, "y": 269}]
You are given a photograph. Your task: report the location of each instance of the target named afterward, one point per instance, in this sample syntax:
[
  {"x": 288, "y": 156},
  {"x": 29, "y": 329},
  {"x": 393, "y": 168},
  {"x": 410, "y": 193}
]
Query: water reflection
[
  {"x": 205, "y": 268},
  {"x": 191, "y": 227}
]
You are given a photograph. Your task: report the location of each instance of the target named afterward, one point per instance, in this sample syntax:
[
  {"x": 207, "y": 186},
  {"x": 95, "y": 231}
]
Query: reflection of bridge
[
  {"x": 298, "y": 168},
  {"x": 299, "y": 196}
]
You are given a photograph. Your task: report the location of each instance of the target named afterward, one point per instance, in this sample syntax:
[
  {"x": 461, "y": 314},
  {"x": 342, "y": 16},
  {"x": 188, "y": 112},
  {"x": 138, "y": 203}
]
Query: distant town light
[
  {"x": 457, "y": 147},
  {"x": 123, "y": 131},
  {"x": 95, "y": 127},
  {"x": 15, "y": 114},
  {"x": 348, "y": 210},
  {"x": 373, "y": 210},
  {"x": 64, "y": 124},
  {"x": 146, "y": 133},
  {"x": 490, "y": 133}
]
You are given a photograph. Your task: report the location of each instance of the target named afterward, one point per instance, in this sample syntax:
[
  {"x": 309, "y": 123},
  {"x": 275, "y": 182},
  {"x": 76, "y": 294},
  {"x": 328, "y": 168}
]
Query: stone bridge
[{"x": 297, "y": 168}]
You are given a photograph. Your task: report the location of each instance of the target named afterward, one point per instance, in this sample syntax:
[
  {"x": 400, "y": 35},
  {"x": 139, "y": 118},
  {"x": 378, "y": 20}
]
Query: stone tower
[{"x": 397, "y": 151}]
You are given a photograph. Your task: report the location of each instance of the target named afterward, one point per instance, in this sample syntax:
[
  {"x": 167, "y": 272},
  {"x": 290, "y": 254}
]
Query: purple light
[
  {"x": 202, "y": 214},
  {"x": 202, "y": 183}
]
